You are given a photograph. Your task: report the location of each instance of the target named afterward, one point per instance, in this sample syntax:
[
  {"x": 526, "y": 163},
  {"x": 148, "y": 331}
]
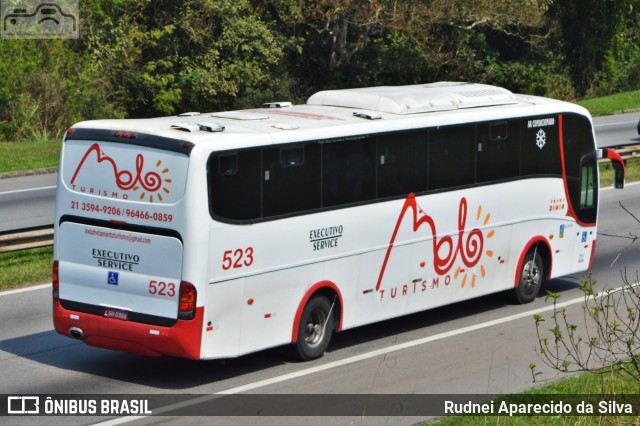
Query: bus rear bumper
[{"x": 181, "y": 340}]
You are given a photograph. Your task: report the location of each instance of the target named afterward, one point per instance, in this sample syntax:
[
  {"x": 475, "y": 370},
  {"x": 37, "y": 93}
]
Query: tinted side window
[
  {"x": 452, "y": 157},
  {"x": 235, "y": 187},
  {"x": 291, "y": 179},
  {"x": 588, "y": 189},
  {"x": 402, "y": 164},
  {"x": 539, "y": 146},
  {"x": 348, "y": 172},
  {"x": 498, "y": 151},
  {"x": 580, "y": 165}
]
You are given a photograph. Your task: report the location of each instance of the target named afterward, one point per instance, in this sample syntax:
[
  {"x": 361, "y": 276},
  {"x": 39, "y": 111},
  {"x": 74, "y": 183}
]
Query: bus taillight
[
  {"x": 55, "y": 280},
  {"x": 188, "y": 297}
]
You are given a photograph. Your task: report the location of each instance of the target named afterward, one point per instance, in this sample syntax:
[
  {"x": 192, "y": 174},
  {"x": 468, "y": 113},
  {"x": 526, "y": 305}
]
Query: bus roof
[
  {"x": 443, "y": 96},
  {"x": 327, "y": 114}
]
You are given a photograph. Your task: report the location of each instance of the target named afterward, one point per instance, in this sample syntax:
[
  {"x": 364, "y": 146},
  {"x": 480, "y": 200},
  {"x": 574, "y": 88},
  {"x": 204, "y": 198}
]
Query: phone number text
[{"x": 121, "y": 212}]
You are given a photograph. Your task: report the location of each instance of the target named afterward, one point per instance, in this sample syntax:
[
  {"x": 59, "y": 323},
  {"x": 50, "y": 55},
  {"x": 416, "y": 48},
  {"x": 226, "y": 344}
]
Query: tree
[
  {"x": 347, "y": 44},
  {"x": 45, "y": 86},
  {"x": 165, "y": 56},
  {"x": 585, "y": 33}
]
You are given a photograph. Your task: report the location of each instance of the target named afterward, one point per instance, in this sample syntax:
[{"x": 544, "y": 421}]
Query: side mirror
[
  {"x": 618, "y": 166},
  {"x": 618, "y": 176}
]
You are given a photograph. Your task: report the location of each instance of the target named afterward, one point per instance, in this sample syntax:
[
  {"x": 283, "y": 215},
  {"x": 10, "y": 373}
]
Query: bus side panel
[
  {"x": 543, "y": 210},
  {"x": 223, "y": 319},
  {"x": 273, "y": 300},
  {"x": 275, "y": 264},
  {"x": 388, "y": 259}
]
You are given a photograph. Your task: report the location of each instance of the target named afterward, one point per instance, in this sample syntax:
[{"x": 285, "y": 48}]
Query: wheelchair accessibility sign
[
  {"x": 36, "y": 19},
  {"x": 112, "y": 278}
]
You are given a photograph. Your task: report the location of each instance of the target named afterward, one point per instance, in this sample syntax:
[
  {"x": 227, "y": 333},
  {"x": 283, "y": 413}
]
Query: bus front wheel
[
  {"x": 531, "y": 277},
  {"x": 314, "y": 329}
]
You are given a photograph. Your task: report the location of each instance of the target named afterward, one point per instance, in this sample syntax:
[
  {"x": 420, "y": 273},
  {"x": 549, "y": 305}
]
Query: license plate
[{"x": 116, "y": 313}]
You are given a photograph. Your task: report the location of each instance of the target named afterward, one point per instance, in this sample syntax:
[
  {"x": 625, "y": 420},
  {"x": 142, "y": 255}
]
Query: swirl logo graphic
[
  {"x": 466, "y": 245},
  {"x": 149, "y": 183}
]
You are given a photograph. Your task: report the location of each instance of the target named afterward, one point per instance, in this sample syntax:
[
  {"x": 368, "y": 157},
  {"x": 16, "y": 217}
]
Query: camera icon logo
[{"x": 37, "y": 20}]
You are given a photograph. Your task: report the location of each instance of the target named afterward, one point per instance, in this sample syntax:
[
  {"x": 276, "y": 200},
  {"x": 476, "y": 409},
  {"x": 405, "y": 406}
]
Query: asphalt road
[
  {"x": 29, "y": 201},
  {"x": 616, "y": 130},
  {"x": 480, "y": 346}
]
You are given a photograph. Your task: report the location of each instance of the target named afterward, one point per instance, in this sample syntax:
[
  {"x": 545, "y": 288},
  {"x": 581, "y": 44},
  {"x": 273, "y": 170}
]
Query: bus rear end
[{"x": 118, "y": 249}]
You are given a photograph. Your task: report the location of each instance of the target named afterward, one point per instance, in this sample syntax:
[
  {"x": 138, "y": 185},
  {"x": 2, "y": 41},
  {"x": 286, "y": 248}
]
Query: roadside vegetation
[
  {"x": 29, "y": 155},
  {"x": 632, "y": 172},
  {"x": 600, "y": 347},
  {"x": 607, "y": 105},
  {"x": 611, "y": 385},
  {"x": 136, "y": 58},
  {"x": 25, "y": 267}
]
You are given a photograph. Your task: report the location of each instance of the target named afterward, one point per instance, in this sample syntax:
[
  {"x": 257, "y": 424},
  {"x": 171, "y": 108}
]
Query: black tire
[
  {"x": 315, "y": 329},
  {"x": 532, "y": 275}
]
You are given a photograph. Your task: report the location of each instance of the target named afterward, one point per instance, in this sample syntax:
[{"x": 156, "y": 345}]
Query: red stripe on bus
[
  {"x": 181, "y": 340},
  {"x": 593, "y": 253}
]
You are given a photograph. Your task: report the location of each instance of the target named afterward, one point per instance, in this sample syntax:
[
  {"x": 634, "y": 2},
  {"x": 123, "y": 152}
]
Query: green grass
[
  {"x": 612, "y": 385},
  {"x": 632, "y": 172},
  {"x": 29, "y": 155},
  {"x": 25, "y": 267},
  {"x": 621, "y": 102}
]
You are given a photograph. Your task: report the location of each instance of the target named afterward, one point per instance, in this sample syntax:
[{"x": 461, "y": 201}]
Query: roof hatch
[{"x": 431, "y": 97}]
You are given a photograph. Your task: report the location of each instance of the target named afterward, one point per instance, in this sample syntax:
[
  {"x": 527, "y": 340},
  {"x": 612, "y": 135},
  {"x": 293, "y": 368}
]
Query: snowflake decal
[{"x": 541, "y": 138}]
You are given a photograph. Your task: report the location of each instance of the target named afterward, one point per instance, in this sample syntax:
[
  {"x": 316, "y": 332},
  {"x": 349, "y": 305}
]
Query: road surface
[{"x": 479, "y": 346}]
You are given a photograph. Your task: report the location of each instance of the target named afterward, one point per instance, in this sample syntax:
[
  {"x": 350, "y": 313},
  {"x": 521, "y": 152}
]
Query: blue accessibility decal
[{"x": 113, "y": 277}]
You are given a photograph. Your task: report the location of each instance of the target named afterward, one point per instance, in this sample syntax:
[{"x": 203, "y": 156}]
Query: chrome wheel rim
[
  {"x": 314, "y": 327},
  {"x": 531, "y": 278}
]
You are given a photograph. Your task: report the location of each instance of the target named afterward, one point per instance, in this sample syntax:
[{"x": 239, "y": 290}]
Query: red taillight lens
[
  {"x": 55, "y": 281},
  {"x": 187, "y": 301}
]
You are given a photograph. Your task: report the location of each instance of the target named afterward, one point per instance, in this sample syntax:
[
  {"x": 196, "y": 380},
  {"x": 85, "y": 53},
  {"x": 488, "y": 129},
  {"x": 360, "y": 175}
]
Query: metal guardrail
[
  {"x": 627, "y": 152},
  {"x": 26, "y": 238}
]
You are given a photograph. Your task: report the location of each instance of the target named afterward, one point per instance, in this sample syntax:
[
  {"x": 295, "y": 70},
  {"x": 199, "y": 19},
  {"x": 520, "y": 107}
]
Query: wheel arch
[
  {"x": 326, "y": 288},
  {"x": 544, "y": 249}
]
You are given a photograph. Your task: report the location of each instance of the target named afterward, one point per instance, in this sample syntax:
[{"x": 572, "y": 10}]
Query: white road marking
[
  {"x": 42, "y": 188},
  {"x": 343, "y": 362},
  {"x": 24, "y": 290}
]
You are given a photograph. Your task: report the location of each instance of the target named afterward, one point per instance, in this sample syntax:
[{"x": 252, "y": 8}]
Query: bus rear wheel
[
  {"x": 314, "y": 329},
  {"x": 531, "y": 277}
]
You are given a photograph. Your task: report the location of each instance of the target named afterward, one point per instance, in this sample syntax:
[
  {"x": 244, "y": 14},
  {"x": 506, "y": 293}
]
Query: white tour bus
[{"x": 215, "y": 235}]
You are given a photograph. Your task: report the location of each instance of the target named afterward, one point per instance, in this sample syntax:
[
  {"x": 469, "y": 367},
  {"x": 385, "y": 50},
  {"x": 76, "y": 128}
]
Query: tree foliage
[
  {"x": 140, "y": 58},
  {"x": 586, "y": 34}
]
